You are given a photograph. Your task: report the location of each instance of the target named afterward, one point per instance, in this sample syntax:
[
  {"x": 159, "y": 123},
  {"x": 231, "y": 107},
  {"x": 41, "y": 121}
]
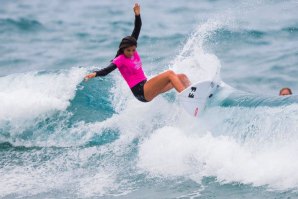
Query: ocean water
[{"x": 61, "y": 137}]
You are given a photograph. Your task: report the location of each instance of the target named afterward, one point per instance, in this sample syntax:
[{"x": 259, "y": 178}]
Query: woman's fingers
[
  {"x": 86, "y": 78},
  {"x": 89, "y": 76},
  {"x": 137, "y": 9}
]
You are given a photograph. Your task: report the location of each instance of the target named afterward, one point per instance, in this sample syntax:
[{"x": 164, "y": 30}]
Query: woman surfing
[{"x": 129, "y": 63}]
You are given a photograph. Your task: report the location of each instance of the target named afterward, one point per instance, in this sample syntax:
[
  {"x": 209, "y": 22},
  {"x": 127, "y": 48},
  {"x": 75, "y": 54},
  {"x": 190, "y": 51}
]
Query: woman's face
[{"x": 129, "y": 51}]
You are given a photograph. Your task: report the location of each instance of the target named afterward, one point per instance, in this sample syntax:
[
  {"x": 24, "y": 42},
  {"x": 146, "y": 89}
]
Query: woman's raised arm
[{"x": 138, "y": 21}]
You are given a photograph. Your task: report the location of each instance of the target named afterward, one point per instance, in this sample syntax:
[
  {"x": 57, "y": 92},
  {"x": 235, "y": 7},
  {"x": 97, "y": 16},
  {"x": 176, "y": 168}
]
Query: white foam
[
  {"x": 29, "y": 95},
  {"x": 193, "y": 60},
  {"x": 30, "y": 180},
  {"x": 172, "y": 152},
  {"x": 103, "y": 183}
]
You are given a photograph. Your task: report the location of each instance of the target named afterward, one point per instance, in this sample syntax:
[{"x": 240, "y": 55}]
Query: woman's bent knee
[
  {"x": 183, "y": 76},
  {"x": 170, "y": 72}
]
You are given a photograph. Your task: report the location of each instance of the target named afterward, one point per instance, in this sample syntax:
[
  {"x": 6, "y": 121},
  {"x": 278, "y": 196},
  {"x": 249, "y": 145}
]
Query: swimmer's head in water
[
  {"x": 127, "y": 46},
  {"x": 285, "y": 91}
]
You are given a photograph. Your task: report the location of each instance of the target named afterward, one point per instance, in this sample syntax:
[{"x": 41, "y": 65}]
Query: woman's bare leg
[
  {"x": 183, "y": 78},
  {"x": 162, "y": 83}
]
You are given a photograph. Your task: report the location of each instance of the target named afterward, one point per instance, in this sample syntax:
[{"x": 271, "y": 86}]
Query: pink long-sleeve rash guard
[{"x": 130, "y": 68}]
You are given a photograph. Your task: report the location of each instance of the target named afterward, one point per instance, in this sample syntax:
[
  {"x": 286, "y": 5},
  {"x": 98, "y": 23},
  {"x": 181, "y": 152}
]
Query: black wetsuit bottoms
[{"x": 138, "y": 91}]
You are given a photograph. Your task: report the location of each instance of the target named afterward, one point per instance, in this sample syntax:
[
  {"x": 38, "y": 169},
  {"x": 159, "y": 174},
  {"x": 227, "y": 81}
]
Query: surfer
[{"x": 129, "y": 63}]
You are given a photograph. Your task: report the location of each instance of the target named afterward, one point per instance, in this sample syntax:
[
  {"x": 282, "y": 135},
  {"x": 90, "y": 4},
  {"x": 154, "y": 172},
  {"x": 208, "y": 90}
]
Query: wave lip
[{"x": 26, "y": 97}]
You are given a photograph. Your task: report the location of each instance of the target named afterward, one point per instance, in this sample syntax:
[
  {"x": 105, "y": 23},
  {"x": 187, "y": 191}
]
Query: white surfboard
[{"x": 194, "y": 98}]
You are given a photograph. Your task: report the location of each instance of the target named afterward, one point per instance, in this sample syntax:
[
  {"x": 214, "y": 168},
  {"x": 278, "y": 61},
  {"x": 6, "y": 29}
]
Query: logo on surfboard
[
  {"x": 192, "y": 91},
  {"x": 196, "y": 112}
]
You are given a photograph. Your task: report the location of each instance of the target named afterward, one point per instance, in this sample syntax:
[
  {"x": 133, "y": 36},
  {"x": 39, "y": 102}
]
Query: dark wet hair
[
  {"x": 288, "y": 89},
  {"x": 125, "y": 43}
]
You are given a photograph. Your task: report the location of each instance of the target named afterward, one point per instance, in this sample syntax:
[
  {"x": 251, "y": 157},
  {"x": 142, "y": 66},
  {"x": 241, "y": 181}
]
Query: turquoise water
[{"x": 64, "y": 138}]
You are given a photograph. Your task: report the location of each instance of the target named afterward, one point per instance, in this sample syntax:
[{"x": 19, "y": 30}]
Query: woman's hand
[
  {"x": 89, "y": 76},
  {"x": 137, "y": 9}
]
